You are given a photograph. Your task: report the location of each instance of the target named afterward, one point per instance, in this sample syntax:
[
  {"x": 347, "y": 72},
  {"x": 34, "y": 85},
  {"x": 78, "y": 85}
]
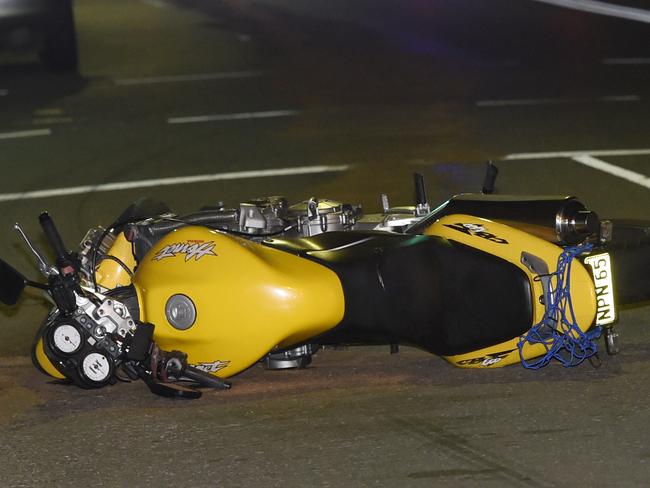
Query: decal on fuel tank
[
  {"x": 487, "y": 360},
  {"x": 476, "y": 230},
  {"x": 191, "y": 249},
  {"x": 212, "y": 367}
]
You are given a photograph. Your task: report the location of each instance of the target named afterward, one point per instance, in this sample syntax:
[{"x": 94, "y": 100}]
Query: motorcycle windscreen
[{"x": 12, "y": 284}]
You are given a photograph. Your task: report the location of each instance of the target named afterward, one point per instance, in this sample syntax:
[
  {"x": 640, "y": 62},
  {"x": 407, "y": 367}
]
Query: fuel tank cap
[{"x": 180, "y": 311}]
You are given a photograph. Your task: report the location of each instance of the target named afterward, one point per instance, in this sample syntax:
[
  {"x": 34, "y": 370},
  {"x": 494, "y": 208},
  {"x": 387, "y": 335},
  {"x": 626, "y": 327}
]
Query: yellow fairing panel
[
  {"x": 248, "y": 298},
  {"x": 509, "y": 243},
  {"x": 43, "y": 361},
  {"x": 110, "y": 274}
]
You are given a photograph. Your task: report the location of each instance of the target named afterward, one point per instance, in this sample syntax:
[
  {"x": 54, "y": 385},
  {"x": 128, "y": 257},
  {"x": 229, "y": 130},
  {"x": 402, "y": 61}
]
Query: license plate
[{"x": 602, "y": 273}]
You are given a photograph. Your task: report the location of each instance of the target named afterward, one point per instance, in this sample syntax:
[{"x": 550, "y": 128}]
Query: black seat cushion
[{"x": 427, "y": 291}]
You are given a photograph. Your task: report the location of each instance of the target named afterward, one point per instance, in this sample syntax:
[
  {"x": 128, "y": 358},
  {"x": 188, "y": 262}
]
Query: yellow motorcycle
[{"x": 181, "y": 302}]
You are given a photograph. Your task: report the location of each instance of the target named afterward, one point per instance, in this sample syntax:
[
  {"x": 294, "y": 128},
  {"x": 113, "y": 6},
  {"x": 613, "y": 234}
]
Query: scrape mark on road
[
  {"x": 475, "y": 459},
  {"x": 452, "y": 473}
]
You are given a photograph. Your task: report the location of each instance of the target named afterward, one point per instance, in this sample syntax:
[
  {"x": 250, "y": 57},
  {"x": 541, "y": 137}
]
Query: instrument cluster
[{"x": 87, "y": 346}]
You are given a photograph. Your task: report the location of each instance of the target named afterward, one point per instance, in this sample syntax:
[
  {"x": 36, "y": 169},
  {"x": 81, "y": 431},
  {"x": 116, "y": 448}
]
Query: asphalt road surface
[{"x": 559, "y": 98}]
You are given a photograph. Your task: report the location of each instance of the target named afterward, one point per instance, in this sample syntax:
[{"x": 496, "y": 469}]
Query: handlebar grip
[
  {"x": 53, "y": 237},
  {"x": 420, "y": 189}
]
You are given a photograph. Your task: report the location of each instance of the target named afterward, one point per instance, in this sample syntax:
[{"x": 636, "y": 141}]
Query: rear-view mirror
[{"x": 12, "y": 284}]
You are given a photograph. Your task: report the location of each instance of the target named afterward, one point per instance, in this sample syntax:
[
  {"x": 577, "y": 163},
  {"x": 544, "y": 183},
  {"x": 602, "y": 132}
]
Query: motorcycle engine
[
  {"x": 325, "y": 215},
  {"x": 271, "y": 215},
  {"x": 254, "y": 219}
]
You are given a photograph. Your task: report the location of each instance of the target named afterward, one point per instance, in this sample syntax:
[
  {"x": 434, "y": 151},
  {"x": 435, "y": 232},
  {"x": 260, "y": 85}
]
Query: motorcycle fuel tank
[{"x": 227, "y": 301}]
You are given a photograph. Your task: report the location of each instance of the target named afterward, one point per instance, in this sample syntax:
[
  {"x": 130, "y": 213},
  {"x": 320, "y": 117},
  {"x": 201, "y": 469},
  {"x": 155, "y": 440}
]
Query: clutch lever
[
  {"x": 175, "y": 367},
  {"x": 206, "y": 379},
  {"x": 167, "y": 368}
]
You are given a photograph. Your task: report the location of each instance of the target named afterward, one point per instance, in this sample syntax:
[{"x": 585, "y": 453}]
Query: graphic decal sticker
[
  {"x": 212, "y": 367},
  {"x": 487, "y": 360},
  {"x": 476, "y": 230},
  {"x": 191, "y": 249}
]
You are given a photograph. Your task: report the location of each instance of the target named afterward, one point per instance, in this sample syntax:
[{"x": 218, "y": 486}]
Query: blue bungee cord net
[{"x": 558, "y": 331}]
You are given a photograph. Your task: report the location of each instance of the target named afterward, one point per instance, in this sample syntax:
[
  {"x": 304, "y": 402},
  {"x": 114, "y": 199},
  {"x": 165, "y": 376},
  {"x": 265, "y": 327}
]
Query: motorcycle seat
[{"x": 427, "y": 291}]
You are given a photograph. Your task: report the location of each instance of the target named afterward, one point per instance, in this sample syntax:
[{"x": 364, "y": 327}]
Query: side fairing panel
[
  {"x": 509, "y": 244},
  {"x": 249, "y": 298}
]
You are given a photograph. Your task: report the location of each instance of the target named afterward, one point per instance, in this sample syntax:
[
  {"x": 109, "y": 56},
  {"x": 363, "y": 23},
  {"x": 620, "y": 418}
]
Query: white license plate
[{"x": 602, "y": 272}]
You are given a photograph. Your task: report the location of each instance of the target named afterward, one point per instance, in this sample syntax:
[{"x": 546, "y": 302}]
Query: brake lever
[{"x": 46, "y": 269}]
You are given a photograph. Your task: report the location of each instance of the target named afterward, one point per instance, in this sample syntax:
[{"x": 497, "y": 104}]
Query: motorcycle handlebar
[{"x": 53, "y": 237}]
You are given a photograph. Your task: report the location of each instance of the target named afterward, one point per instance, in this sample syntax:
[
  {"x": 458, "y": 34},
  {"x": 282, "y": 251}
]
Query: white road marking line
[
  {"x": 224, "y": 117},
  {"x": 155, "y": 3},
  {"x": 499, "y": 63},
  {"x": 523, "y": 101},
  {"x": 623, "y": 173},
  {"x": 225, "y": 75},
  {"x": 520, "y": 102},
  {"x": 572, "y": 154},
  {"x": 603, "y": 8},
  {"x": 25, "y": 133},
  {"x": 620, "y": 98},
  {"x": 48, "y": 112},
  {"x": 181, "y": 180},
  {"x": 619, "y": 61},
  {"x": 52, "y": 120}
]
